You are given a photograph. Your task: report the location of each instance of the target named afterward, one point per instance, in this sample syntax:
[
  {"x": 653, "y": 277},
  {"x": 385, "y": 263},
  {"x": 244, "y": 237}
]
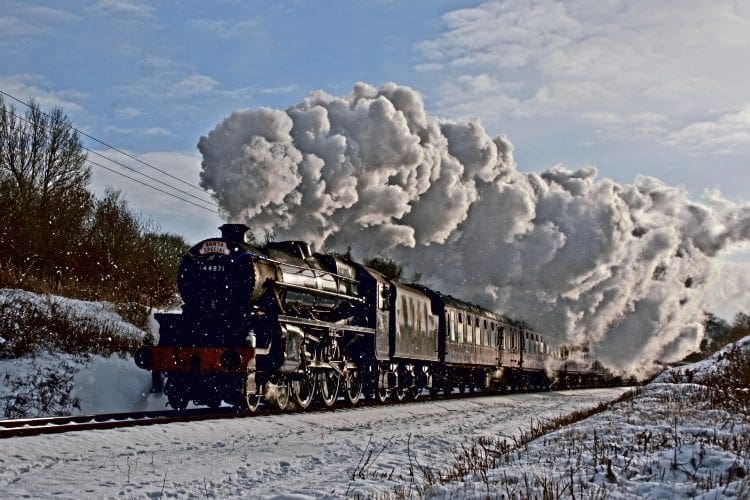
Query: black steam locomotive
[{"x": 288, "y": 326}]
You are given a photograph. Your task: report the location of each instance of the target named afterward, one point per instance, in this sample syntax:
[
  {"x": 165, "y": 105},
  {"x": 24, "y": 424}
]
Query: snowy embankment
[
  {"x": 64, "y": 356},
  {"x": 294, "y": 455},
  {"x": 687, "y": 434}
]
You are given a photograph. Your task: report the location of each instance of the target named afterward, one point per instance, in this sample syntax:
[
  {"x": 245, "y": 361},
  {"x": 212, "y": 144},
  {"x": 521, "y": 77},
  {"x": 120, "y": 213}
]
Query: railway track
[{"x": 57, "y": 425}]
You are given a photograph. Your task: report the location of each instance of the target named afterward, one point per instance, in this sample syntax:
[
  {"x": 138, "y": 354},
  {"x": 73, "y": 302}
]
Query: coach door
[{"x": 382, "y": 317}]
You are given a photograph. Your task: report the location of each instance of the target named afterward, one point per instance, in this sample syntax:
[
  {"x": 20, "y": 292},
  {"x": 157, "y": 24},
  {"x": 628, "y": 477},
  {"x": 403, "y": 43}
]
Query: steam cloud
[{"x": 620, "y": 268}]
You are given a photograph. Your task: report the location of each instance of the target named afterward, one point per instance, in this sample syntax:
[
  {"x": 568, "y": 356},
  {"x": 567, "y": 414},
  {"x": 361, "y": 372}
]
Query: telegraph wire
[
  {"x": 152, "y": 187},
  {"x": 208, "y": 202},
  {"x": 108, "y": 145},
  {"x": 150, "y": 178}
]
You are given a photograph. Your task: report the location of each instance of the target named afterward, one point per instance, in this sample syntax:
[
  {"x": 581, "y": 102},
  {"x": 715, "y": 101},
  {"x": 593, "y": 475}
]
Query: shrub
[{"x": 31, "y": 324}]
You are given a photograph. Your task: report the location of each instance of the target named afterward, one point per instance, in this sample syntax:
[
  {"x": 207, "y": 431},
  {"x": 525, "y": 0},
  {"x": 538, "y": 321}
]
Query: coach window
[
  {"x": 414, "y": 317},
  {"x": 450, "y": 326},
  {"x": 404, "y": 313},
  {"x": 460, "y": 327},
  {"x": 467, "y": 329},
  {"x": 454, "y": 328},
  {"x": 422, "y": 322}
]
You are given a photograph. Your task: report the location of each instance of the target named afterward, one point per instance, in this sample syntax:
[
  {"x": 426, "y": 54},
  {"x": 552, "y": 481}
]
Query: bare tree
[{"x": 43, "y": 179}]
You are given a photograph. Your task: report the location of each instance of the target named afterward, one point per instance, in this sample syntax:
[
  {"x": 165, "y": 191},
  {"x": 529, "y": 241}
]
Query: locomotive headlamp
[{"x": 230, "y": 360}]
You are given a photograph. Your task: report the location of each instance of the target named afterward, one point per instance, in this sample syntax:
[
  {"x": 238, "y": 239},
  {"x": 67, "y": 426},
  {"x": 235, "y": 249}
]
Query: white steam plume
[{"x": 620, "y": 268}]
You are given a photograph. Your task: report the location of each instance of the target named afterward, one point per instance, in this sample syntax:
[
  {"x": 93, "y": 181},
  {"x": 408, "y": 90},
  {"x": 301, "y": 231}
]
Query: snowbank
[
  {"x": 66, "y": 356},
  {"x": 699, "y": 371}
]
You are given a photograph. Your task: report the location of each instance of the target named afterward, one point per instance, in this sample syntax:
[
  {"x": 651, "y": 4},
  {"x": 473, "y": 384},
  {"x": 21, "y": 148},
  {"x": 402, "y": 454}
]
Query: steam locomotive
[{"x": 286, "y": 326}]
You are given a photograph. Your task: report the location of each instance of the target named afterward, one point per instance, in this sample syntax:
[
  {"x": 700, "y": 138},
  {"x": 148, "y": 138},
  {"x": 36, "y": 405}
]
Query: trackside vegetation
[{"x": 56, "y": 236}]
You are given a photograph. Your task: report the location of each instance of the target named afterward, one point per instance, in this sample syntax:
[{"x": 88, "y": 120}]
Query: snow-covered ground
[
  {"x": 676, "y": 439},
  {"x": 93, "y": 384},
  {"x": 308, "y": 454}
]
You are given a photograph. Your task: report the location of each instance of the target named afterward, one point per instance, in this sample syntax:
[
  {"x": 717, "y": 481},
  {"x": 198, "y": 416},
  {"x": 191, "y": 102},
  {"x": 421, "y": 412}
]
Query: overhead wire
[
  {"x": 150, "y": 186},
  {"x": 132, "y": 170},
  {"x": 127, "y": 166}
]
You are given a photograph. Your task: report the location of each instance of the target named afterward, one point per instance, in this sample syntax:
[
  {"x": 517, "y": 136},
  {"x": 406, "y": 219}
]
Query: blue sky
[{"x": 633, "y": 87}]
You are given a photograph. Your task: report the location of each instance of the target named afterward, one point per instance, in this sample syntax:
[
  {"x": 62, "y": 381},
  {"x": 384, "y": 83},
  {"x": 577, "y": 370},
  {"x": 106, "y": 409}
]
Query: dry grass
[{"x": 657, "y": 438}]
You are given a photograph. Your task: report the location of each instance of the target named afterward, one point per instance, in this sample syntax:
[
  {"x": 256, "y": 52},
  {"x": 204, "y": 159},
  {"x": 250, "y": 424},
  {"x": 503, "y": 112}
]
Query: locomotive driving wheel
[
  {"x": 382, "y": 392},
  {"x": 303, "y": 390},
  {"x": 278, "y": 393},
  {"x": 354, "y": 384},
  {"x": 330, "y": 380},
  {"x": 401, "y": 393}
]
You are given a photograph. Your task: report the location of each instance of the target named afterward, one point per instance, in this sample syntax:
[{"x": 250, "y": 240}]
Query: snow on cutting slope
[{"x": 66, "y": 356}]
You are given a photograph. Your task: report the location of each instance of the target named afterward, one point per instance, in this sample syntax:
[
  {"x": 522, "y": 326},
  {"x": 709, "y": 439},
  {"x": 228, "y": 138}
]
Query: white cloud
[
  {"x": 723, "y": 134},
  {"x": 226, "y": 30},
  {"x": 49, "y": 14},
  {"x": 23, "y": 22},
  {"x": 146, "y": 131},
  {"x": 192, "y": 85},
  {"x": 279, "y": 90},
  {"x": 728, "y": 287},
  {"x": 26, "y": 87},
  {"x": 159, "y": 63},
  {"x": 601, "y": 61},
  {"x": 123, "y": 7},
  {"x": 128, "y": 112},
  {"x": 12, "y": 27}
]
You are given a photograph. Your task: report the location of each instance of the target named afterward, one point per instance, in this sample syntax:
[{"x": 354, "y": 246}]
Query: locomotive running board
[
  {"x": 315, "y": 291},
  {"x": 293, "y": 320}
]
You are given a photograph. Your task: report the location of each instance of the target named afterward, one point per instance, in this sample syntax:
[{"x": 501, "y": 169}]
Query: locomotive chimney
[{"x": 234, "y": 232}]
